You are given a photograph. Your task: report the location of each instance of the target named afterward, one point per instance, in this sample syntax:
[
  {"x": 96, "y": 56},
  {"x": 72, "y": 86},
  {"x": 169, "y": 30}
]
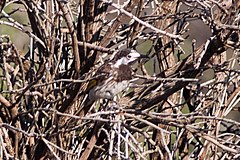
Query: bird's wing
[{"x": 102, "y": 74}]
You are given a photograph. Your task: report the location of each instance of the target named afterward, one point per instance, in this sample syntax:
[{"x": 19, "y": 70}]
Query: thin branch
[
  {"x": 144, "y": 23},
  {"x": 69, "y": 21}
]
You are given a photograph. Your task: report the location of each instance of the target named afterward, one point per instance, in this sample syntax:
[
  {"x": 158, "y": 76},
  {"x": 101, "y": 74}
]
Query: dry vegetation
[{"x": 180, "y": 109}]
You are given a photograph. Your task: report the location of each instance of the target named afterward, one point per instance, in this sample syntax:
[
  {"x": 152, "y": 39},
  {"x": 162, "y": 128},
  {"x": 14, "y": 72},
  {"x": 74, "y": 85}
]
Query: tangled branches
[{"x": 185, "y": 100}]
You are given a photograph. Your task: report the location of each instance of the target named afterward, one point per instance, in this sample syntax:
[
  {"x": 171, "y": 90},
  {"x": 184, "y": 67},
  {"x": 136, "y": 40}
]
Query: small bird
[{"x": 114, "y": 75}]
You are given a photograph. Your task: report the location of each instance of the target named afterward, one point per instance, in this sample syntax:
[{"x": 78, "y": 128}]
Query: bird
[{"x": 115, "y": 75}]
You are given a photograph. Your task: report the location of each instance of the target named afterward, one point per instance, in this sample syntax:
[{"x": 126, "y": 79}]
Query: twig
[
  {"x": 14, "y": 129},
  {"x": 4, "y": 101},
  {"x": 59, "y": 148},
  {"x": 214, "y": 141},
  {"x": 144, "y": 23},
  {"x": 146, "y": 122},
  {"x": 92, "y": 141},
  {"x": 4, "y": 148},
  {"x": 50, "y": 148},
  {"x": 167, "y": 79},
  {"x": 70, "y": 25},
  {"x": 132, "y": 146},
  {"x": 21, "y": 28}
]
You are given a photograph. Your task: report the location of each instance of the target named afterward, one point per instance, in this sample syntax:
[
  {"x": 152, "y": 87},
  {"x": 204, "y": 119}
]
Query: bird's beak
[{"x": 143, "y": 56}]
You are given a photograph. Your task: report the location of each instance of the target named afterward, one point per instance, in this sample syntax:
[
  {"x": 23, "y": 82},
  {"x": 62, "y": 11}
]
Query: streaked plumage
[{"x": 115, "y": 75}]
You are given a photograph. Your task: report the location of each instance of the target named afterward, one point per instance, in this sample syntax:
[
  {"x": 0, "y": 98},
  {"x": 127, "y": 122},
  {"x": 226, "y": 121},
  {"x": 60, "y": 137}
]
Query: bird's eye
[{"x": 128, "y": 56}]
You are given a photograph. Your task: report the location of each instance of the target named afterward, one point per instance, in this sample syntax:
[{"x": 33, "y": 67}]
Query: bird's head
[{"x": 127, "y": 57}]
